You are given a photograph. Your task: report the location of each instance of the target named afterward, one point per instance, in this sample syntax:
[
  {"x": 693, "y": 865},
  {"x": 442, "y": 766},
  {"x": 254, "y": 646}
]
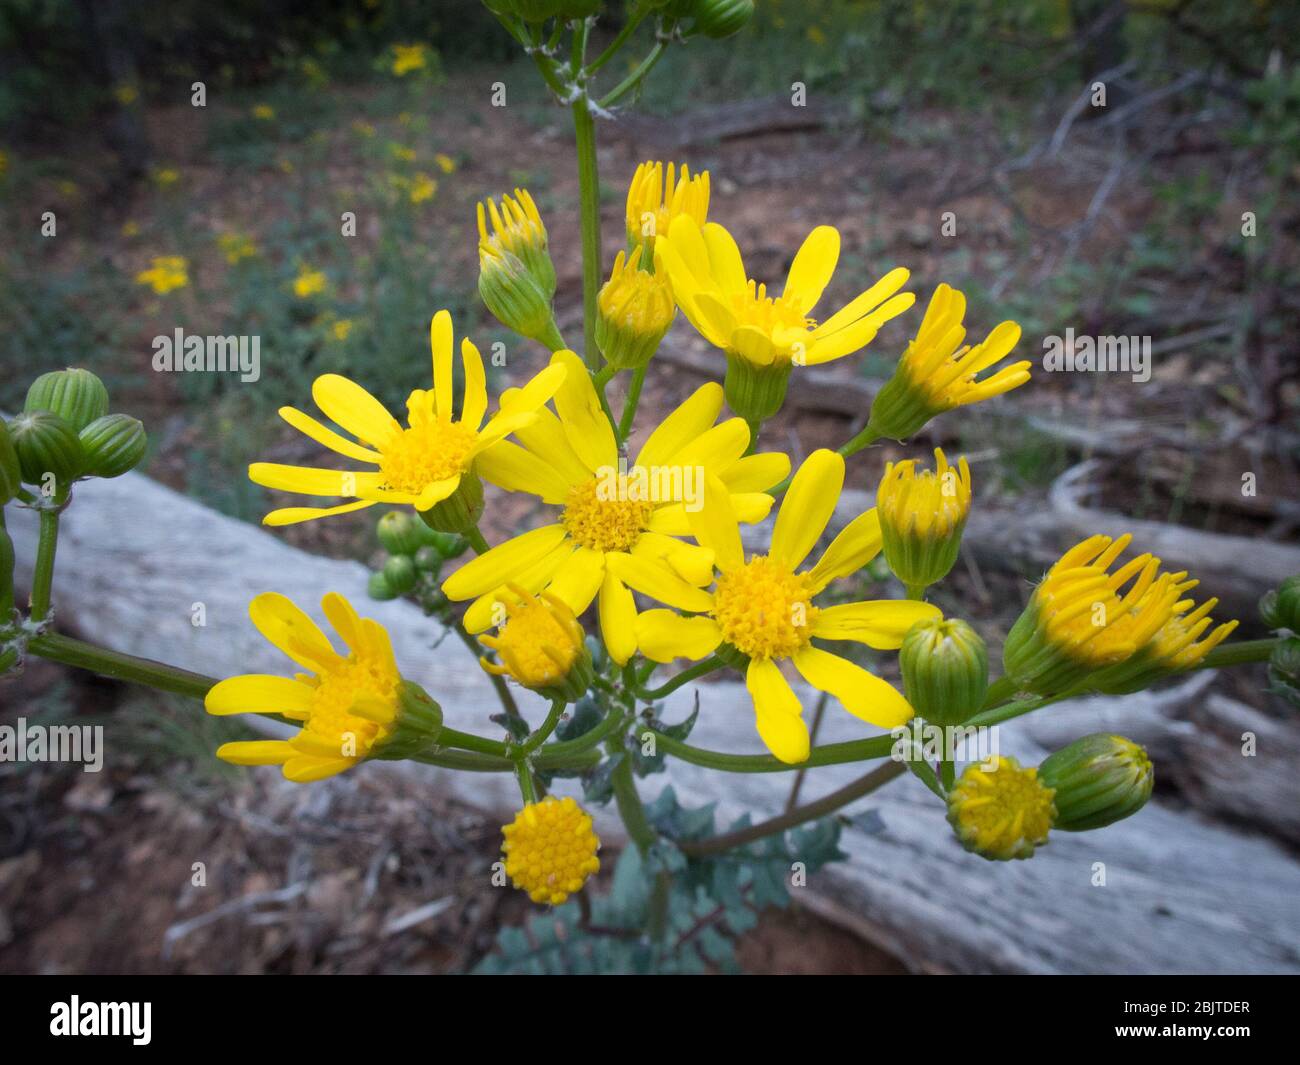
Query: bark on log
[{"x": 1181, "y": 893}]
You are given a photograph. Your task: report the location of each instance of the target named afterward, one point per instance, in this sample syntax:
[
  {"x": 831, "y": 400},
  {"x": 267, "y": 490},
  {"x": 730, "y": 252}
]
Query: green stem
[
  {"x": 527, "y": 787},
  {"x": 828, "y": 804},
  {"x": 629, "y": 28},
  {"x": 863, "y": 439},
  {"x": 1240, "y": 653},
  {"x": 630, "y": 809},
  {"x": 121, "y": 666},
  {"x": 467, "y": 741},
  {"x": 584, "y": 128},
  {"x": 43, "y": 576},
  {"x": 630, "y": 404},
  {"x": 542, "y": 734},
  {"x": 915, "y": 591},
  {"x": 634, "y": 79},
  {"x": 504, "y": 694},
  {"x": 685, "y": 677},
  {"x": 566, "y": 748},
  {"x": 6, "y": 573},
  {"x": 830, "y": 754},
  {"x": 476, "y": 541}
]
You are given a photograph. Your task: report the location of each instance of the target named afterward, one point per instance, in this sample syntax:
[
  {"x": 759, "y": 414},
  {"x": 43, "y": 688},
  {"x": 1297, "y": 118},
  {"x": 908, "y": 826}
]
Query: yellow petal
[
  {"x": 715, "y": 527},
  {"x": 657, "y": 581},
  {"x": 309, "y": 426},
  {"x": 662, "y": 636},
  {"x": 294, "y": 515},
  {"x": 585, "y": 425},
  {"x": 683, "y": 425},
  {"x": 579, "y": 578},
  {"x": 502, "y": 563},
  {"x": 283, "y": 624},
  {"x": 725, "y": 261},
  {"x": 312, "y": 481},
  {"x": 813, "y": 266},
  {"x": 258, "y": 693},
  {"x": 716, "y": 448},
  {"x": 880, "y": 623},
  {"x": 777, "y": 712},
  {"x": 345, "y": 619},
  {"x": 352, "y": 407},
  {"x": 807, "y": 506},
  {"x": 693, "y": 564},
  {"x": 617, "y": 619},
  {"x": 304, "y": 768},
  {"x": 862, "y": 304},
  {"x": 752, "y": 344},
  {"x": 435, "y": 492},
  {"x": 751, "y": 507},
  {"x": 863, "y": 694},
  {"x": 857, "y": 335},
  {"x": 256, "y": 752},
  {"x": 509, "y": 466},
  {"x": 441, "y": 339},
  {"x": 856, "y": 545},
  {"x": 475, "y": 403},
  {"x": 545, "y": 438},
  {"x": 756, "y": 473}
]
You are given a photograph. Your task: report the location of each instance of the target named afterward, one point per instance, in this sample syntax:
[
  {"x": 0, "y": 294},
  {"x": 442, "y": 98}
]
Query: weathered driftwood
[{"x": 1181, "y": 892}]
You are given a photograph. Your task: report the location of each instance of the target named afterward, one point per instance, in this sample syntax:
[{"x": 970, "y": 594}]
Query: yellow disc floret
[
  {"x": 764, "y": 610},
  {"x": 367, "y": 683},
  {"x": 606, "y": 514},
  {"x": 1001, "y": 811},
  {"x": 539, "y": 643},
  {"x": 432, "y": 449},
  {"x": 550, "y": 849}
]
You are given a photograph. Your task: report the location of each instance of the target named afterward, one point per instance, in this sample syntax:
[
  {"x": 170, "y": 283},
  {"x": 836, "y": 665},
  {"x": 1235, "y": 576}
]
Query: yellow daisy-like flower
[
  {"x": 1083, "y": 618},
  {"x": 167, "y": 272},
  {"x": 126, "y": 95},
  {"x": 406, "y": 58},
  {"x": 1001, "y": 811},
  {"x": 762, "y": 609},
  {"x": 540, "y": 644},
  {"x": 655, "y": 199},
  {"x": 422, "y": 464},
  {"x": 550, "y": 849},
  {"x": 165, "y": 177},
  {"x": 445, "y": 163},
  {"x": 763, "y": 335},
  {"x": 937, "y": 373},
  {"x": 922, "y": 516},
  {"x": 618, "y": 525},
  {"x": 309, "y": 283},
  {"x": 423, "y": 187},
  {"x": 263, "y": 112},
  {"x": 342, "y": 329},
  {"x": 347, "y": 703}
]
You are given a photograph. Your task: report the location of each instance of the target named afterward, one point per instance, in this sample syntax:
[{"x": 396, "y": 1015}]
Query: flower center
[
  {"x": 764, "y": 610},
  {"x": 606, "y": 514},
  {"x": 779, "y": 317},
  {"x": 531, "y": 640},
  {"x": 1002, "y": 810},
  {"x": 338, "y": 690},
  {"x": 428, "y": 452}
]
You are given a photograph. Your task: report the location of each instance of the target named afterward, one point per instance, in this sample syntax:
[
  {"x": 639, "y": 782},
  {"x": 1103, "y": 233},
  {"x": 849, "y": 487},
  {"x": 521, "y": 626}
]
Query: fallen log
[{"x": 1181, "y": 893}]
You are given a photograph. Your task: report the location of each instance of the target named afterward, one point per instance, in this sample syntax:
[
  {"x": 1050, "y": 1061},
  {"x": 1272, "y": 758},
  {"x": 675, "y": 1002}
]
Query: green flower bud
[
  {"x": 378, "y": 588},
  {"x": 945, "y": 668},
  {"x": 418, "y": 724},
  {"x": 1001, "y": 811},
  {"x": 11, "y": 476},
  {"x": 46, "y": 445},
  {"x": 399, "y": 573},
  {"x": 77, "y": 396},
  {"x": 1280, "y": 607},
  {"x": 1099, "y": 779},
  {"x": 428, "y": 559},
  {"x": 721, "y": 18},
  {"x": 513, "y": 296},
  {"x": 1284, "y": 670},
  {"x": 922, "y": 516},
  {"x": 112, "y": 445},
  {"x": 400, "y": 533},
  {"x": 460, "y": 511},
  {"x": 449, "y": 545}
]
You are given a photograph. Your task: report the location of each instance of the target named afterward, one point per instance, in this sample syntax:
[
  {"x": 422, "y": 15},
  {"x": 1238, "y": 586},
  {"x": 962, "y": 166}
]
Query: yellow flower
[
  {"x": 285, "y": 166},
  {"x": 165, "y": 177},
  {"x": 816, "y": 35},
  {"x": 654, "y": 201},
  {"x": 167, "y": 272},
  {"x": 516, "y": 229},
  {"x": 423, "y": 187},
  {"x": 309, "y": 283},
  {"x": 540, "y": 644},
  {"x": 1001, "y": 811},
  {"x": 550, "y": 849},
  {"x": 922, "y": 517},
  {"x": 618, "y": 525},
  {"x": 263, "y": 112},
  {"x": 364, "y": 128},
  {"x": 937, "y": 373},
  {"x": 762, "y": 609},
  {"x": 445, "y": 163},
  {"x": 342, "y": 329},
  {"x": 764, "y": 336},
  {"x": 348, "y": 704},
  {"x": 130, "y": 229},
  {"x": 421, "y": 465},
  {"x": 401, "y": 152},
  {"x": 1081, "y": 619},
  {"x": 236, "y": 247},
  {"x": 126, "y": 95},
  {"x": 406, "y": 58},
  {"x": 635, "y": 311}
]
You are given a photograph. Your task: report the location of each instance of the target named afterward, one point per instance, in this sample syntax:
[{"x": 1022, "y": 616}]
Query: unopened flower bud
[
  {"x": 399, "y": 532},
  {"x": 511, "y": 293},
  {"x": 379, "y": 588},
  {"x": 399, "y": 573},
  {"x": 721, "y": 18},
  {"x": 922, "y": 516},
  {"x": 1284, "y": 670},
  {"x": 1280, "y": 606},
  {"x": 635, "y": 310},
  {"x": 1098, "y": 780},
  {"x": 11, "y": 476},
  {"x": 516, "y": 228},
  {"x": 945, "y": 668},
  {"x": 550, "y": 849},
  {"x": 112, "y": 445},
  {"x": 1001, "y": 811},
  {"x": 47, "y": 446},
  {"x": 75, "y": 395}
]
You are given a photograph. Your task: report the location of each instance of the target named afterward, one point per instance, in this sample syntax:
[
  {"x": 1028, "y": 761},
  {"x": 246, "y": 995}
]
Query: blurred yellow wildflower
[
  {"x": 445, "y": 163},
  {"x": 165, "y": 177},
  {"x": 166, "y": 273},
  {"x": 423, "y": 187},
  {"x": 126, "y": 95},
  {"x": 309, "y": 283},
  {"x": 236, "y": 247},
  {"x": 263, "y": 112},
  {"x": 406, "y": 58}
]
